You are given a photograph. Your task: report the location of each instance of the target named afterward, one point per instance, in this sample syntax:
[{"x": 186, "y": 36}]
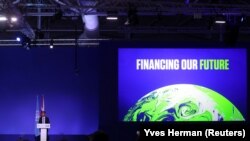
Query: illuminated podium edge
[
  {"x": 43, "y": 126},
  {"x": 43, "y": 131}
]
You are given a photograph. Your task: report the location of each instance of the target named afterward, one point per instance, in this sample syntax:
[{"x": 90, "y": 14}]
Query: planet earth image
[{"x": 183, "y": 102}]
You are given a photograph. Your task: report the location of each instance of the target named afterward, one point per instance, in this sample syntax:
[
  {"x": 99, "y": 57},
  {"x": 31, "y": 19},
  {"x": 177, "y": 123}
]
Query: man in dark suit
[{"x": 44, "y": 119}]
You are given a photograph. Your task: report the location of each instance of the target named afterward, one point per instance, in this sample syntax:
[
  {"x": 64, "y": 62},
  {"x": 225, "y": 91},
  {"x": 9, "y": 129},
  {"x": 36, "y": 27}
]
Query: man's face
[{"x": 42, "y": 114}]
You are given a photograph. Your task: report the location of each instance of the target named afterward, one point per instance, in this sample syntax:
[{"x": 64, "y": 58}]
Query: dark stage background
[{"x": 71, "y": 99}]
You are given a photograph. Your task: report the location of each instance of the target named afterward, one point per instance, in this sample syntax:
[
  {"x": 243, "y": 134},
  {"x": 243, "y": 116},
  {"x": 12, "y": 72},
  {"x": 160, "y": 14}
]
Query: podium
[{"x": 43, "y": 132}]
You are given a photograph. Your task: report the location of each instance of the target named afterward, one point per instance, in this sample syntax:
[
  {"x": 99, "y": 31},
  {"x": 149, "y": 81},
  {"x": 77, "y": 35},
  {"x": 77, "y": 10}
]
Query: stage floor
[{"x": 52, "y": 138}]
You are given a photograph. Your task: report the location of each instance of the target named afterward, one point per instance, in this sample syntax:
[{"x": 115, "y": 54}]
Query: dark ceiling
[{"x": 170, "y": 20}]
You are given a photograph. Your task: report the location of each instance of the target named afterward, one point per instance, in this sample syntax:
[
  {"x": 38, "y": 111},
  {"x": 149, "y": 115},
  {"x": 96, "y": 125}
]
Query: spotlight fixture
[
  {"x": 220, "y": 20},
  {"x": 242, "y": 18},
  {"x": 112, "y": 15},
  {"x": 18, "y": 39},
  {"x": 51, "y": 44},
  {"x": 3, "y": 18},
  {"x": 112, "y": 18},
  {"x": 8, "y": 21},
  {"x": 13, "y": 19}
]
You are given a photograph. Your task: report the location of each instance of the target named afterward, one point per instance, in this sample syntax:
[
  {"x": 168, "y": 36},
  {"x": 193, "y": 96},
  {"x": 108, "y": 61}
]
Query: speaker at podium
[{"x": 43, "y": 125}]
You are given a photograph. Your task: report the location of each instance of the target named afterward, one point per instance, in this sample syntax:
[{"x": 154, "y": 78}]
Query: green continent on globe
[{"x": 183, "y": 102}]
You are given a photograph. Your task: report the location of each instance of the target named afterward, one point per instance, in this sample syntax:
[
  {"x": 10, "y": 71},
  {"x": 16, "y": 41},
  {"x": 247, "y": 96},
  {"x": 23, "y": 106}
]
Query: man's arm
[{"x": 40, "y": 120}]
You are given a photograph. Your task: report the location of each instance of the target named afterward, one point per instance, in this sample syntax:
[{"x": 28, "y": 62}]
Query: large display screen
[{"x": 167, "y": 84}]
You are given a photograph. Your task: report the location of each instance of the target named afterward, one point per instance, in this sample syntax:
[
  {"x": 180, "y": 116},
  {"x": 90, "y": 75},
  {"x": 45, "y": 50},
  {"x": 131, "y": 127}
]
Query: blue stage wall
[{"x": 71, "y": 99}]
